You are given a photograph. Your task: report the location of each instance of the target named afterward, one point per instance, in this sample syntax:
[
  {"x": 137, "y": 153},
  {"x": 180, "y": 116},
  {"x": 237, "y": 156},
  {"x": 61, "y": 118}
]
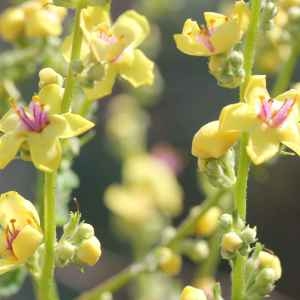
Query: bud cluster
[
  {"x": 78, "y": 244},
  {"x": 269, "y": 11},
  {"x": 228, "y": 68}
]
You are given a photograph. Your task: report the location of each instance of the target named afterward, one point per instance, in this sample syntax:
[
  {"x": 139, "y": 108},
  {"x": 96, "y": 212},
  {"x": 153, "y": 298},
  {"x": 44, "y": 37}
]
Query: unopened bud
[
  {"x": 89, "y": 251},
  {"x": 85, "y": 231},
  {"x": 191, "y": 293},
  {"x": 64, "y": 252},
  {"x": 248, "y": 235},
  {"x": 226, "y": 221},
  {"x": 231, "y": 242},
  {"x": 208, "y": 223},
  {"x": 49, "y": 76},
  {"x": 169, "y": 262},
  {"x": 268, "y": 260}
]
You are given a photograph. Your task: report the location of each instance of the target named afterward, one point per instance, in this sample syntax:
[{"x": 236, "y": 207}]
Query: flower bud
[
  {"x": 191, "y": 293},
  {"x": 226, "y": 221},
  {"x": 208, "y": 223},
  {"x": 195, "y": 250},
  {"x": 248, "y": 235},
  {"x": 210, "y": 142},
  {"x": 268, "y": 260},
  {"x": 169, "y": 262},
  {"x": 85, "y": 231},
  {"x": 231, "y": 242},
  {"x": 265, "y": 277},
  {"x": 64, "y": 252},
  {"x": 49, "y": 76},
  {"x": 89, "y": 251}
]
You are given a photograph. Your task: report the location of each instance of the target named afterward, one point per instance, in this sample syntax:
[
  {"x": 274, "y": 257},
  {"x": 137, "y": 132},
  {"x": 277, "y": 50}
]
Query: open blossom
[
  {"x": 219, "y": 35},
  {"x": 269, "y": 121},
  {"x": 20, "y": 233},
  {"x": 115, "y": 47},
  {"x": 36, "y": 18},
  {"x": 39, "y": 128}
]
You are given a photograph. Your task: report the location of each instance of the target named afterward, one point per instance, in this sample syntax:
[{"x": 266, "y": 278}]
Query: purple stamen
[
  {"x": 36, "y": 120},
  {"x": 266, "y": 110},
  {"x": 282, "y": 113}
]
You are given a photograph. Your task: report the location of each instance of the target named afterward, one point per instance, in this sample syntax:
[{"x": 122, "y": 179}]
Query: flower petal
[
  {"x": 187, "y": 42},
  {"x": 14, "y": 207},
  {"x": 51, "y": 95},
  {"x": 241, "y": 12},
  {"x": 238, "y": 116},
  {"x": 214, "y": 20},
  {"x": 26, "y": 243},
  {"x": 225, "y": 36},
  {"x": 140, "y": 72},
  {"x": 9, "y": 122},
  {"x": 76, "y": 125},
  {"x": 133, "y": 27},
  {"x": 103, "y": 87},
  {"x": 256, "y": 90},
  {"x": 91, "y": 16},
  {"x": 262, "y": 146},
  {"x": 45, "y": 148},
  {"x": 10, "y": 144},
  {"x": 290, "y": 136}
]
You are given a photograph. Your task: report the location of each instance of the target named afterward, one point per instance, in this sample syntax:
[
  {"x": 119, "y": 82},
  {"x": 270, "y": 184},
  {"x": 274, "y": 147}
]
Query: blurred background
[{"x": 189, "y": 99}]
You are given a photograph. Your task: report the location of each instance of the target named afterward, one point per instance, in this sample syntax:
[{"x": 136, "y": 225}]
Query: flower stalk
[{"x": 238, "y": 272}]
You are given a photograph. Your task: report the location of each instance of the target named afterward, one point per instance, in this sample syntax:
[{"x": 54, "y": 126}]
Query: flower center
[
  {"x": 10, "y": 234},
  {"x": 203, "y": 37},
  {"x": 274, "y": 117},
  {"x": 36, "y": 119}
]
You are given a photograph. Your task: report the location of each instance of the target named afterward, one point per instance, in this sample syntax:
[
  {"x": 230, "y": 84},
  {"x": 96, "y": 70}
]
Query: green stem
[
  {"x": 75, "y": 55},
  {"x": 238, "y": 271},
  {"x": 185, "y": 229},
  {"x": 286, "y": 72},
  {"x": 46, "y": 283}
]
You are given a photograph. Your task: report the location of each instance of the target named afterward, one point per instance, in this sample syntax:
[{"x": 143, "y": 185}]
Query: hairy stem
[
  {"x": 75, "y": 55},
  {"x": 46, "y": 284},
  {"x": 238, "y": 271},
  {"x": 185, "y": 229}
]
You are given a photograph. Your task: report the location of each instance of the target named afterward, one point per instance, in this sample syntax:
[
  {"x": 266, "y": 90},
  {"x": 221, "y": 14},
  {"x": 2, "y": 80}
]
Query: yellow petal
[
  {"x": 12, "y": 22},
  {"x": 140, "y": 72},
  {"x": 262, "y": 146},
  {"x": 45, "y": 148},
  {"x": 91, "y": 16},
  {"x": 14, "y": 207},
  {"x": 51, "y": 95},
  {"x": 256, "y": 90},
  {"x": 103, "y": 87},
  {"x": 290, "y": 136},
  {"x": 214, "y": 20},
  {"x": 238, "y": 116},
  {"x": 89, "y": 251},
  {"x": 241, "y": 13},
  {"x": 26, "y": 243},
  {"x": 133, "y": 27},
  {"x": 9, "y": 122},
  {"x": 186, "y": 41},
  {"x": 209, "y": 142},
  {"x": 225, "y": 36},
  {"x": 76, "y": 125},
  {"x": 10, "y": 144}
]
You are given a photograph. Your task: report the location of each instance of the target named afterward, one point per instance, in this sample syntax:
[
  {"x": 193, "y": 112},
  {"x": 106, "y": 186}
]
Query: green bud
[
  {"x": 226, "y": 221},
  {"x": 85, "y": 231},
  {"x": 236, "y": 58},
  {"x": 96, "y": 72},
  {"x": 106, "y": 296},
  {"x": 265, "y": 277},
  {"x": 220, "y": 172},
  {"x": 248, "y": 235},
  {"x": 195, "y": 250},
  {"x": 64, "y": 253}
]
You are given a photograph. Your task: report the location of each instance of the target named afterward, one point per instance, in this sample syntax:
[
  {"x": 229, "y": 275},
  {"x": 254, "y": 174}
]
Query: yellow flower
[
  {"x": 210, "y": 142},
  {"x": 191, "y": 293},
  {"x": 39, "y": 128},
  {"x": 219, "y": 35},
  {"x": 20, "y": 231},
  {"x": 268, "y": 260},
  {"x": 114, "y": 46},
  {"x": 32, "y": 19},
  {"x": 269, "y": 122}
]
